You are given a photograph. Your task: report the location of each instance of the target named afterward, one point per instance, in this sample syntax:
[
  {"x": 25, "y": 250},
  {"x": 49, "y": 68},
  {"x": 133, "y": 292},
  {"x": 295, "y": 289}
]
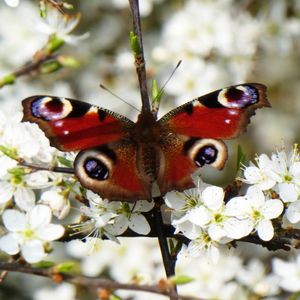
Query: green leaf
[
  {"x": 65, "y": 162},
  {"x": 241, "y": 158},
  {"x": 135, "y": 45},
  {"x": 43, "y": 10},
  {"x": 181, "y": 279},
  {"x": 44, "y": 264},
  {"x": 295, "y": 296}
]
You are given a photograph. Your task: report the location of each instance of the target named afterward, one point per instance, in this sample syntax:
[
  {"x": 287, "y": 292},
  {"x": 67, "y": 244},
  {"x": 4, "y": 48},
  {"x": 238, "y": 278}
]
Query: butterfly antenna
[
  {"x": 115, "y": 95},
  {"x": 167, "y": 81}
]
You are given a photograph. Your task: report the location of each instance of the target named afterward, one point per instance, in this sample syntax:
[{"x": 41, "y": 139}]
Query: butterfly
[{"x": 120, "y": 159}]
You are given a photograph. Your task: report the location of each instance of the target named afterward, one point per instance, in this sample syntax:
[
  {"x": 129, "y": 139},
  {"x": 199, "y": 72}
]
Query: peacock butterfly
[{"x": 120, "y": 159}]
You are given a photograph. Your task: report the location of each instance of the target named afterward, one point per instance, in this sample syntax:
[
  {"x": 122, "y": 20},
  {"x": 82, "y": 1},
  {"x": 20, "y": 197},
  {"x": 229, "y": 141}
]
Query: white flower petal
[
  {"x": 6, "y": 191},
  {"x": 237, "y": 229},
  {"x": 255, "y": 197},
  {"x": 9, "y": 244},
  {"x": 143, "y": 206},
  {"x": 139, "y": 224},
  {"x": 288, "y": 192},
  {"x": 272, "y": 208},
  {"x": 33, "y": 251},
  {"x": 238, "y": 207},
  {"x": 24, "y": 198},
  {"x": 40, "y": 216},
  {"x": 50, "y": 232},
  {"x": 119, "y": 226},
  {"x": 212, "y": 197},
  {"x": 173, "y": 200},
  {"x": 14, "y": 220},
  {"x": 216, "y": 232},
  {"x": 199, "y": 216},
  {"x": 265, "y": 230},
  {"x": 293, "y": 212}
]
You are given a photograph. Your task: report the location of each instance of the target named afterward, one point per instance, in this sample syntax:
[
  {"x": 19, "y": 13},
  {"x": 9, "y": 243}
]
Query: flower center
[
  {"x": 28, "y": 234},
  {"x": 218, "y": 218}
]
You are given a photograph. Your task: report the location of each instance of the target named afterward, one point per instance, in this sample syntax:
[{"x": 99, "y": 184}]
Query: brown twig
[
  {"x": 89, "y": 282},
  {"x": 38, "y": 167},
  {"x": 140, "y": 60}
]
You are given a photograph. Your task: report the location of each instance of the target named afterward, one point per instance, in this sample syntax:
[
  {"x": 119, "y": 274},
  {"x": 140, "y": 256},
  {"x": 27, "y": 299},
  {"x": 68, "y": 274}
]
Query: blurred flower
[
  {"x": 61, "y": 25},
  {"x": 255, "y": 277},
  {"x": 29, "y": 233},
  {"x": 64, "y": 291},
  {"x": 288, "y": 273},
  {"x": 12, "y": 3},
  {"x": 257, "y": 209}
]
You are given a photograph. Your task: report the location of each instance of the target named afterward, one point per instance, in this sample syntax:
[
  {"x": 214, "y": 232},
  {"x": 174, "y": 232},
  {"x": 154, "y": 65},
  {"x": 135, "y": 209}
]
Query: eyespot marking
[
  {"x": 238, "y": 96},
  {"x": 51, "y": 108},
  {"x": 95, "y": 168}
]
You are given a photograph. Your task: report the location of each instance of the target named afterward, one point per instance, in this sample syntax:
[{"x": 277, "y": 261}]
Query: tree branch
[
  {"x": 89, "y": 282},
  {"x": 140, "y": 60}
]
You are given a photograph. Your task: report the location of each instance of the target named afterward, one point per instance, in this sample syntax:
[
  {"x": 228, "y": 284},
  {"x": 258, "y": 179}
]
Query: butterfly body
[{"x": 120, "y": 159}]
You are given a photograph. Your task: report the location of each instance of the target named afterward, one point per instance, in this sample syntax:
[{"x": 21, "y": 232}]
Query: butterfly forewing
[
  {"x": 222, "y": 114},
  {"x": 74, "y": 125}
]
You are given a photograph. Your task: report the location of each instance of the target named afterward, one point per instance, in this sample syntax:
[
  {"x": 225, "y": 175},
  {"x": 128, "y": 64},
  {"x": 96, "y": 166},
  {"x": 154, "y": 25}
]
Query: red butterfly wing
[
  {"x": 74, "y": 125},
  {"x": 222, "y": 114},
  {"x": 195, "y": 127}
]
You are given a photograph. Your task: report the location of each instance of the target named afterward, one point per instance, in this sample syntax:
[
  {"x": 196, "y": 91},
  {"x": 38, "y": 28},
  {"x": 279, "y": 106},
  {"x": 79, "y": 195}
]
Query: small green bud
[
  {"x": 50, "y": 67},
  {"x": 181, "y": 279},
  {"x": 135, "y": 45},
  {"x": 66, "y": 267},
  {"x": 54, "y": 43},
  {"x": 68, "y": 61},
  {"x": 65, "y": 162},
  {"x": 241, "y": 158},
  {"x": 8, "y": 79}
]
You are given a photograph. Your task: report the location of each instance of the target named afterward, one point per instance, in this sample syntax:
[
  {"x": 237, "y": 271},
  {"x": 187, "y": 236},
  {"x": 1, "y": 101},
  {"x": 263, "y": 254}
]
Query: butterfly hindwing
[
  {"x": 74, "y": 125},
  {"x": 195, "y": 130},
  {"x": 222, "y": 114},
  {"x": 112, "y": 172}
]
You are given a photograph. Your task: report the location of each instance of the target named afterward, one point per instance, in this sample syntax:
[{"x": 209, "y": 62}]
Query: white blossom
[
  {"x": 29, "y": 233},
  {"x": 258, "y": 210},
  {"x": 260, "y": 175}
]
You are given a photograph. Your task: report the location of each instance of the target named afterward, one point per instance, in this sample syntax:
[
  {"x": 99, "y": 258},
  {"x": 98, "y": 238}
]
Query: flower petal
[
  {"x": 6, "y": 192},
  {"x": 139, "y": 224},
  {"x": 238, "y": 207},
  {"x": 293, "y": 212},
  {"x": 9, "y": 244},
  {"x": 24, "y": 198},
  {"x": 272, "y": 209},
  {"x": 212, "y": 197},
  {"x": 199, "y": 216},
  {"x": 255, "y": 197},
  {"x": 50, "y": 232},
  {"x": 40, "y": 216},
  {"x": 143, "y": 206},
  {"x": 288, "y": 192},
  {"x": 265, "y": 230},
  {"x": 14, "y": 220},
  {"x": 33, "y": 251}
]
